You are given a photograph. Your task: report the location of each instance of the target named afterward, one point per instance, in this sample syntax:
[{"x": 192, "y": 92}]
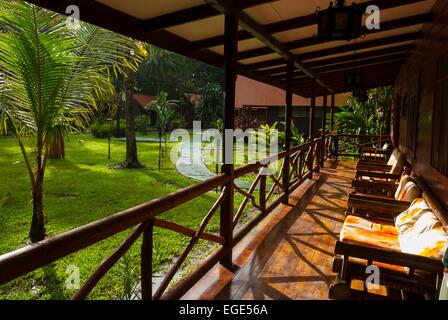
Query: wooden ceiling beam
[
  {"x": 370, "y": 73},
  {"x": 294, "y": 23},
  {"x": 339, "y": 50},
  {"x": 192, "y": 14},
  {"x": 106, "y": 17},
  {"x": 347, "y": 65},
  {"x": 344, "y": 59},
  {"x": 385, "y": 26},
  {"x": 261, "y": 34}
]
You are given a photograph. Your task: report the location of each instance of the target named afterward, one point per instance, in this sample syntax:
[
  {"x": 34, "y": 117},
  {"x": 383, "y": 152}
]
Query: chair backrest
[
  {"x": 439, "y": 210},
  {"x": 393, "y": 157},
  {"x": 397, "y": 163},
  {"x": 407, "y": 189}
]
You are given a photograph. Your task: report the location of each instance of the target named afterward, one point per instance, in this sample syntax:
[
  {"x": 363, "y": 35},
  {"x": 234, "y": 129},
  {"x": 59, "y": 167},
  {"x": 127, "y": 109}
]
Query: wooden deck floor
[{"x": 291, "y": 254}]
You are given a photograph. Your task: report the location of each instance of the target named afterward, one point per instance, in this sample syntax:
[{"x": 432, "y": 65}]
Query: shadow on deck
[{"x": 289, "y": 255}]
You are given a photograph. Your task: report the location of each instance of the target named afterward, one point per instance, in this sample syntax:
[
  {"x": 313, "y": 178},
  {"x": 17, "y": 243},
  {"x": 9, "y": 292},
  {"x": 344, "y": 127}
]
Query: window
[
  {"x": 439, "y": 127},
  {"x": 412, "y": 116}
]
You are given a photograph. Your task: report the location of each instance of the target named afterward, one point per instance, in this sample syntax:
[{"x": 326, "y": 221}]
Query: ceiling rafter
[
  {"x": 385, "y": 26},
  {"x": 343, "y": 59},
  {"x": 339, "y": 50},
  {"x": 261, "y": 34},
  {"x": 294, "y": 23},
  {"x": 192, "y": 14},
  {"x": 99, "y": 14},
  {"x": 348, "y": 66}
]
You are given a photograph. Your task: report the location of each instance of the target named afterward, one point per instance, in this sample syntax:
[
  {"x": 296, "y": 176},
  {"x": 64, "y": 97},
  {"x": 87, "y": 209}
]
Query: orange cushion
[
  {"x": 407, "y": 218},
  {"x": 369, "y": 224},
  {"x": 367, "y": 232}
]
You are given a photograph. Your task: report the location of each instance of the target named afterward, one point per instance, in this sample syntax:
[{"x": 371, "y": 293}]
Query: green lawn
[{"x": 79, "y": 190}]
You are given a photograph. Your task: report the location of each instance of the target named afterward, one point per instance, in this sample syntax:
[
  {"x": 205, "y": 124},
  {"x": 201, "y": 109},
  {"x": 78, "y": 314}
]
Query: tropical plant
[
  {"x": 129, "y": 275},
  {"x": 53, "y": 75},
  {"x": 211, "y": 107},
  {"x": 267, "y": 132},
  {"x": 361, "y": 117},
  {"x": 142, "y": 123},
  {"x": 165, "y": 113},
  {"x": 355, "y": 118},
  {"x": 296, "y": 137}
]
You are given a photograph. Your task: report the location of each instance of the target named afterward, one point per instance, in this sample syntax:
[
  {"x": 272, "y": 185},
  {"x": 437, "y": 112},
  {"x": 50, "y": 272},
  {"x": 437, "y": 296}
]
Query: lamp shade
[{"x": 339, "y": 22}]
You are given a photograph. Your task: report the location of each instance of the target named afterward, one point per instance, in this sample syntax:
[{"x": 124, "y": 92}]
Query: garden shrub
[
  {"x": 142, "y": 123},
  {"x": 100, "y": 128}
]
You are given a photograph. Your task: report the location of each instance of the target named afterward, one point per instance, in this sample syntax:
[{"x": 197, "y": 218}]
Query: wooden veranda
[{"x": 272, "y": 41}]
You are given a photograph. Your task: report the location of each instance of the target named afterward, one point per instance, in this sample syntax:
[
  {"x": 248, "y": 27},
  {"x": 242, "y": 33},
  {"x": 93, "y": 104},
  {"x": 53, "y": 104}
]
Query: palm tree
[
  {"x": 165, "y": 113},
  {"x": 52, "y": 78},
  {"x": 159, "y": 65}
]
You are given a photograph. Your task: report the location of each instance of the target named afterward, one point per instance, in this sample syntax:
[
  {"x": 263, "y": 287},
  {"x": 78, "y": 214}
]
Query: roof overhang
[{"x": 271, "y": 32}]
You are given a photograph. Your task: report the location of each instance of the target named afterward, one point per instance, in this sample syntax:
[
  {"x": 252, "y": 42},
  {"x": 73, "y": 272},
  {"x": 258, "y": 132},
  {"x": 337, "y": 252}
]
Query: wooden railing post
[
  {"x": 263, "y": 192},
  {"x": 288, "y": 120},
  {"x": 230, "y": 51},
  {"x": 332, "y": 113},
  {"x": 311, "y": 127},
  {"x": 311, "y": 157},
  {"x": 146, "y": 261},
  {"x": 324, "y": 129}
]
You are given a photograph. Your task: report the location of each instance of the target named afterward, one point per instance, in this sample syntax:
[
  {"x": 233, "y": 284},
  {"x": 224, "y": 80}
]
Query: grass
[{"x": 81, "y": 189}]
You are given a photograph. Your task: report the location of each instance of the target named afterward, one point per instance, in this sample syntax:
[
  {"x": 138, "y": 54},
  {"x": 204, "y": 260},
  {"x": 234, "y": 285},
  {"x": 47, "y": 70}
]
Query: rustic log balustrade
[
  {"x": 351, "y": 145},
  {"x": 145, "y": 217}
]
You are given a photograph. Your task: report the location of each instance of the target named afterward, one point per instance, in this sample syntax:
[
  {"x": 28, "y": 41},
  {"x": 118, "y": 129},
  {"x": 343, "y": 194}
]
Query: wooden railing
[
  {"x": 349, "y": 145},
  {"x": 303, "y": 161}
]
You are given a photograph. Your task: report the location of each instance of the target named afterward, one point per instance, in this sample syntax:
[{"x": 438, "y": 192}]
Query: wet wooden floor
[{"x": 292, "y": 258}]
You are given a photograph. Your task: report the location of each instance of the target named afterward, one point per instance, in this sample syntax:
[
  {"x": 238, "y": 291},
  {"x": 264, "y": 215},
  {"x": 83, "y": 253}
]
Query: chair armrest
[
  {"x": 373, "y": 161},
  {"x": 389, "y": 256},
  {"x": 384, "y": 188},
  {"x": 375, "y": 207},
  {"x": 373, "y": 167},
  {"x": 375, "y": 150},
  {"x": 379, "y": 175},
  {"x": 380, "y": 199}
]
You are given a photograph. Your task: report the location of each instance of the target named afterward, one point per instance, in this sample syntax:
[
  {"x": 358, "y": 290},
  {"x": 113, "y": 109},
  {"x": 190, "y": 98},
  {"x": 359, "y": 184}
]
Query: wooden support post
[
  {"x": 230, "y": 51},
  {"x": 288, "y": 120},
  {"x": 146, "y": 262},
  {"x": 332, "y": 113},
  {"x": 311, "y": 126},
  {"x": 324, "y": 129}
]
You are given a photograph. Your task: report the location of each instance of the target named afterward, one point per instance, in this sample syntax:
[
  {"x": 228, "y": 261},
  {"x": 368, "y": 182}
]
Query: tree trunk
[
  {"x": 131, "y": 143},
  {"x": 56, "y": 145},
  {"x": 37, "y": 230}
]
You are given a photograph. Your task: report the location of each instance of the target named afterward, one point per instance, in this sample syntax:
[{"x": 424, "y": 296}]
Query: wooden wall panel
[{"x": 428, "y": 50}]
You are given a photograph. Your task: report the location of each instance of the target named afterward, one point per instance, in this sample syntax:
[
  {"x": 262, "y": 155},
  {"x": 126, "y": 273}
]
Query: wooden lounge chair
[
  {"x": 400, "y": 195},
  {"x": 394, "y": 163},
  {"x": 381, "y": 179},
  {"x": 406, "y": 247},
  {"x": 369, "y": 153}
]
